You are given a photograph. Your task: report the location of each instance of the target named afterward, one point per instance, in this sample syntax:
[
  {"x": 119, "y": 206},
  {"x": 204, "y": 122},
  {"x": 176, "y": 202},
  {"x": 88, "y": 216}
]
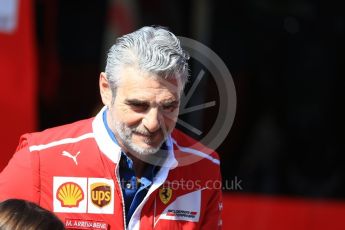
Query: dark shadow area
[{"x": 287, "y": 62}]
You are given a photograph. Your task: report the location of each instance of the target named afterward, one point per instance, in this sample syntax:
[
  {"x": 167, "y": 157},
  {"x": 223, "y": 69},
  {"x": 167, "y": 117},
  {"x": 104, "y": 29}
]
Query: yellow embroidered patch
[{"x": 165, "y": 194}]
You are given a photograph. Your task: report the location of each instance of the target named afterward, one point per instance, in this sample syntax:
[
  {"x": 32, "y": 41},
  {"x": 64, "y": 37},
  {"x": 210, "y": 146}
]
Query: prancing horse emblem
[{"x": 165, "y": 194}]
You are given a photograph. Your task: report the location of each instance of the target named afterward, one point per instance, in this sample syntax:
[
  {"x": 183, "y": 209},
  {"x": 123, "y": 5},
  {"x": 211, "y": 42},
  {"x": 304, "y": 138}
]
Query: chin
[
  {"x": 150, "y": 147},
  {"x": 145, "y": 149}
]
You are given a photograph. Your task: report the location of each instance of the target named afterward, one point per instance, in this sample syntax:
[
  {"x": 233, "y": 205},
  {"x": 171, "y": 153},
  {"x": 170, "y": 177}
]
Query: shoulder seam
[
  {"x": 60, "y": 142},
  {"x": 197, "y": 153}
]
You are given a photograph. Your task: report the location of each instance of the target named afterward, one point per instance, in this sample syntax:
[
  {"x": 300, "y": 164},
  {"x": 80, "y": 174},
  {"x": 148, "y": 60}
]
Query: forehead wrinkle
[
  {"x": 138, "y": 93},
  {"x": 163, "y": 102},
  {"x": 173, "y": 84}
]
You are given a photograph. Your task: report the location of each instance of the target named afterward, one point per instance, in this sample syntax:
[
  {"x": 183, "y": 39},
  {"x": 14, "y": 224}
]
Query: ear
[{"x": 105, "y": 89}]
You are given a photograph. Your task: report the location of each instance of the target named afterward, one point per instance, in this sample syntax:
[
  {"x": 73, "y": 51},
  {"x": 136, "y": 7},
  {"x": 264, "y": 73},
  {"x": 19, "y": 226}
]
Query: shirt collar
[
  {"x": 105, "y": 121},
  {"x": 149, "y": 172}
]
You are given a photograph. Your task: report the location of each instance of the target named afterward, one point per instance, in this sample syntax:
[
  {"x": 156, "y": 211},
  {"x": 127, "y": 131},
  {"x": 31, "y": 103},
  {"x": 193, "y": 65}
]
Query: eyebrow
[
  {"x": 170, "y": 102},
  {"x": 141, "y": 102},
  {"x": 136, "y": 102}
]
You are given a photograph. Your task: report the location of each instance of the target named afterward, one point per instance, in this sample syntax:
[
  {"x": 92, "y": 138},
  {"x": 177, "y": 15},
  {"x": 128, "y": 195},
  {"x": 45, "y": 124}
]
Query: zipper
[{"x": 123, "y": 201}]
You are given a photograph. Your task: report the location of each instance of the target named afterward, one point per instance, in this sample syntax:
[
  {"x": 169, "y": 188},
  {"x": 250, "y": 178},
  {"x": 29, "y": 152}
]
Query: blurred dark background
[{"x": 286, "y": 59}]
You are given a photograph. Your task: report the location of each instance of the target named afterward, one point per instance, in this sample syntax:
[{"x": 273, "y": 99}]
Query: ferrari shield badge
[{"x": 165, "y": 194}]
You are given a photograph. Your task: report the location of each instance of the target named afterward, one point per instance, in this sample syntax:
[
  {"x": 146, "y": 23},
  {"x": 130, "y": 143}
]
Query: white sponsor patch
[
  {"x": 85, "y": 224},
  {"x": 185, "y": 207},
  {"x": 70, "y": 194},
  {"x": 83, "y": 195},
  {"x": 101, "y": 196}
]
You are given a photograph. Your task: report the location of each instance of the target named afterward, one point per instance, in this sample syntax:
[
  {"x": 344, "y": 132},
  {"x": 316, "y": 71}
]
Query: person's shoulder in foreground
[
  {"x": 127, "y": 167},
  {"x": 22, "y": 214}
]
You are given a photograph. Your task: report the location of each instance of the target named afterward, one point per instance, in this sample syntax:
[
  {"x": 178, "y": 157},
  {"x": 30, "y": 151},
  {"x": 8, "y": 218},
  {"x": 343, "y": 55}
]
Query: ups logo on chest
[{"x": 100, "y": 194}]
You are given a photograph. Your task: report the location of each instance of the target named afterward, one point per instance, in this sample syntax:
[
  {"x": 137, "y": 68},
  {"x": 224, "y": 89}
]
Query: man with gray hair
[{"x": 126, "y": 168}]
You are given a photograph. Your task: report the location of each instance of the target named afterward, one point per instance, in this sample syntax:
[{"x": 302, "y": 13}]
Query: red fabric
[
  {"x": 270, "y": 213},
  {"x": 83, "y": 155},
  {"x": 18, "y": 81}
]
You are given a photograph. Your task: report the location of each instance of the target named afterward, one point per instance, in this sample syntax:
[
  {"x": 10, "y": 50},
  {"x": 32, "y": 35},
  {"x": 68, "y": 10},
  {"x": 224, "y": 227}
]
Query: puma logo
[{"x": 74, "y": 158}]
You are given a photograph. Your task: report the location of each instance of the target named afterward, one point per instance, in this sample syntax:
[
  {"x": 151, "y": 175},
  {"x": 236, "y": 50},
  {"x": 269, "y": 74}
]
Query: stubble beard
[{"x": 126, "y": 133}]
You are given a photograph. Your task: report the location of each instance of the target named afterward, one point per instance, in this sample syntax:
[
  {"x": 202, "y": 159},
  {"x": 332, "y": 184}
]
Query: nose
[{"x": 151, "y": 120}]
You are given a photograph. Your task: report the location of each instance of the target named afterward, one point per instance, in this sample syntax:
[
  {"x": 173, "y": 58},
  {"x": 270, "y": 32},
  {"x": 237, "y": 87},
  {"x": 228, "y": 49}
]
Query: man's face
[{"x": 144, "y": 111}]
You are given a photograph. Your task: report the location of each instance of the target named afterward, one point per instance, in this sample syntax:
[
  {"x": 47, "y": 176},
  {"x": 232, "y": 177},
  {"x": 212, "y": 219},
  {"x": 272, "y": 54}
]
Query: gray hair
[{"x": 152, "y": 49}]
